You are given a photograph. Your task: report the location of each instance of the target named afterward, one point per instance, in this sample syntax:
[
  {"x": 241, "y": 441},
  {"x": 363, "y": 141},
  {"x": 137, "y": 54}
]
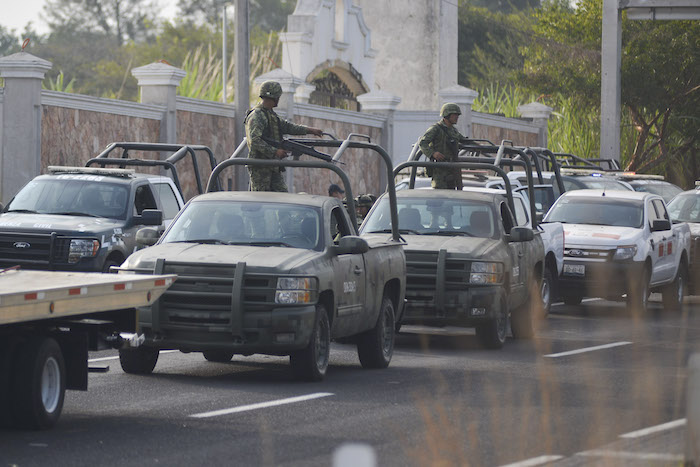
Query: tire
[
  {"x": 572, "y": 299},
  {"x": 376, "y": 346},
  {"x": 39, "y": 386},
  {"x": 218, "y": 356},
  {"x": 638, "y": 294},
  {"x": 138, "y": 361},
  {"x": 547, "y": 292},
  {"x": 492, "y": 334},
  {"x": 674, "y": 292},
  {"x": 311, "y": 362},
  {"x": 108, "y": 264}
]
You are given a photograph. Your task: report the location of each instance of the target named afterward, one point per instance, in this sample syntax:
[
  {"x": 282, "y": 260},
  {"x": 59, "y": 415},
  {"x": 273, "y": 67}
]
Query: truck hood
[
  {"x": 277, "y": 259},
  {"x": 25, "y": 222},
  {"x": 466, "y": 245},
  {"x": 599, "y": 235}
]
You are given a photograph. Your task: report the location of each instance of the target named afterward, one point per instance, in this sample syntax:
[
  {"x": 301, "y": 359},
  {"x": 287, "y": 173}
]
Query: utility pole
[
  {"x": 224, "y": 56},
  {"x": 242, "y": 83}
]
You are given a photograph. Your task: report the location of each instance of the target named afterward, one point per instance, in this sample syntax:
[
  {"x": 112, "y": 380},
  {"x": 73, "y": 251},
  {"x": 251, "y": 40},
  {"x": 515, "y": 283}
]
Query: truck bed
[{"x": 27, "y": 296}]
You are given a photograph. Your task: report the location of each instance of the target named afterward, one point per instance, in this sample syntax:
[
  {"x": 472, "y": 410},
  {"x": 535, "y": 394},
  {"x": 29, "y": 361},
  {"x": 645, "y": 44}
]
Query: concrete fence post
[
  {"x": 692, "y": 427},
  {"x": 539, "y": 113},
  {"x": 20, "y": 122},
  {"x": 158, "y": 84},
  {"x": 384, "y": 104}
]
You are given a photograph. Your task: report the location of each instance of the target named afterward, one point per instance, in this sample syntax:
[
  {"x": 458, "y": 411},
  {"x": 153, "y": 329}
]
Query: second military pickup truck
[{"x": 271, "y": 273}]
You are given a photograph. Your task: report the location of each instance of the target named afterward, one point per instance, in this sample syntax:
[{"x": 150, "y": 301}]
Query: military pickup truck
[
  {"x": 86, "y": 218},
  {"x": 468, "y": 263},
  {"x": 271, "y": 273},
  {"x": 621, "y": 243}
]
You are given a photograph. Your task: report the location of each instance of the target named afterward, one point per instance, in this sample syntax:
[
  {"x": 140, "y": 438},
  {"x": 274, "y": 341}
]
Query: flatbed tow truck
[{"x": 49, "y": 320}]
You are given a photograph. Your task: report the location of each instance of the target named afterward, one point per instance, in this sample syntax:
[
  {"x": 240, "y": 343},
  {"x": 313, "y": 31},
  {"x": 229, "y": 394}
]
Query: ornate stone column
[
  {"x": 385, "y": 104},
  {"x": 158, "y": 84},
  {"x": 20, "y": 122},
  {"x": 539, "y": 113}
]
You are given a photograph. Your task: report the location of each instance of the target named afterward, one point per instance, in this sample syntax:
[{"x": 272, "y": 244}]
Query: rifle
[{"x": 297, "y": 149}]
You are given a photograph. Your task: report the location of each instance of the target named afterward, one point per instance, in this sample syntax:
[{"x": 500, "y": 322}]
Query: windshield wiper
[
  {"x": 271, "y": 244},
  {"x": 208, "y": 241},
  {"x": 28, "y": 211},
  {"x": 459, "y": 233},
  {"x": 410, "y": 231},
  {"x": 73, "y": 213}
]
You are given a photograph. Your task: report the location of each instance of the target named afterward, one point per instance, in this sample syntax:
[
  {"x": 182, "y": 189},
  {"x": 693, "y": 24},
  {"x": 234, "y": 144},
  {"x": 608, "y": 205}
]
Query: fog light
[
  {"x": 478, "y": 311},
  {"x": 284, "y": 337}
]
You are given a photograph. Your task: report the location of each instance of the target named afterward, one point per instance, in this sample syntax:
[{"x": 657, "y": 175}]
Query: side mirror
[
  {"x": 147, "y": 236},
  {"x": 660, "y": 224},
  {"x": 520, "y": 234},
  {"x": 352, "y": 245},
  {"x": 150, "y": 217}
]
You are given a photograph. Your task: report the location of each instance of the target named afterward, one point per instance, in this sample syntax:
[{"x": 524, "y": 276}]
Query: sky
[{"x": 17, "y": 16}]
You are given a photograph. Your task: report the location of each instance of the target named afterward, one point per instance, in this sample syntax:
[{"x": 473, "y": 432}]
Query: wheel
[
  {"x": 572, "y": 298},
  {"x": 39, "y": 387},
  {"x": 638, "y": 294},
  {"x": 376, "y": 346},
  {"x": 138, "y": 361},
  {"x": 547, "y": 291},
  {"x": 674, "y": 292},
  {"x": 108, "y": 264},
  {"x": 492, "y": 334},
  {"x": 311, "y": 362},
  {"x": 219, "y": 356}
]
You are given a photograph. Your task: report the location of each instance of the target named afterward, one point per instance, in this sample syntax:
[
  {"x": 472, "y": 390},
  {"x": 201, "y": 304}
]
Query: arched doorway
[{"x": 337, "y": 85}]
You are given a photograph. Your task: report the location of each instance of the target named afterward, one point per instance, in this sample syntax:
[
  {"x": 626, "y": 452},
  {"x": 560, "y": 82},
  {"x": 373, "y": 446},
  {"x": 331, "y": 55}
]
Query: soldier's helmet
[
  {"x": 366, "y": 200},
  {"x": 271, "y": 89},
  {"x": 449, "y": 109}
]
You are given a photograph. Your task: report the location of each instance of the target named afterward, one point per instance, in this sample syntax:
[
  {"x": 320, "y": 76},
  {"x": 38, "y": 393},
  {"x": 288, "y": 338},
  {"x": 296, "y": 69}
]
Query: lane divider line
[
  {"x": 535, "y": 461},
  {"x": 116, "y": 357},
  {"x": 588, "y": 349},
  {"x": 262, "y": 405},
  {"x": 647, "y": 456},
  {"x": 654, "y": 429}
]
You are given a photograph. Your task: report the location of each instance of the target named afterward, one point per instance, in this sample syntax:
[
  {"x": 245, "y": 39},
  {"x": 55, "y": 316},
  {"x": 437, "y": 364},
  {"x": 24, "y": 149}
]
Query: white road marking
[
  {"x": 654, "y": 429},
  {"x": 116, "y": 357},
  {"x": 541, "y": 460},
  {"x": 646, "y": 456},
  {"x": 262, "y": 405},
  {"x": 588, "y": 349}
]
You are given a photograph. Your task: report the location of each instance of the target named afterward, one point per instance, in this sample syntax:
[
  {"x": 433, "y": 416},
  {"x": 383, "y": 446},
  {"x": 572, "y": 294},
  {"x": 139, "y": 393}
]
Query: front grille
[
  {"x": 203, "y": 294},
  {"x": 590, "y": 254},
  {"x": 422, "y": 274},
  {"x": 33, "y": 251}
]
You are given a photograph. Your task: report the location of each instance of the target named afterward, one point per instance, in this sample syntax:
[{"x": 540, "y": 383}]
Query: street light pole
[{"x": 242, "y": 83}]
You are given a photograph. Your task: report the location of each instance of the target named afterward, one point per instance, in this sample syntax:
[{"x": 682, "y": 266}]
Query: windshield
[
  {"x": 666, "y": 190},
  {"x": 72, "y": 195},
  {"x": 435, "y": 216},
  {"x": 685, "y": 208},
  {"x": 593, "y": 182},
  {"x": 597, "y": 211},
  {"x": 247, "y": 223}
]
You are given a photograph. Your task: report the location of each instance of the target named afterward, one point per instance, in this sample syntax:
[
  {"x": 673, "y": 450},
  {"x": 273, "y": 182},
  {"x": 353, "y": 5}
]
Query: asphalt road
[{"x": 578, "y": 394}]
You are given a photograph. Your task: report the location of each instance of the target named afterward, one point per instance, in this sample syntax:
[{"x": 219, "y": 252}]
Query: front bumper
[
  {"x": 607, "y": 279},
  {"x": 275, "y": 332},
  {"x": 466, "y": 307}
]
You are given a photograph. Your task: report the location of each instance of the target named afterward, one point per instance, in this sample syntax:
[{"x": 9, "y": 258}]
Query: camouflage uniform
[
  {"x": 444, "y": 139},
  {"x": 265, "y": 122}
]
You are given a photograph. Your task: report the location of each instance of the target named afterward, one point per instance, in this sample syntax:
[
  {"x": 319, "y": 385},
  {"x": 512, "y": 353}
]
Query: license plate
[{"x": 575, "y": 269}]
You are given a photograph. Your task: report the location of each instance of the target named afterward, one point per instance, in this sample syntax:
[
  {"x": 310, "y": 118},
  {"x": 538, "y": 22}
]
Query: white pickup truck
[{"x": 621, "y": 243}]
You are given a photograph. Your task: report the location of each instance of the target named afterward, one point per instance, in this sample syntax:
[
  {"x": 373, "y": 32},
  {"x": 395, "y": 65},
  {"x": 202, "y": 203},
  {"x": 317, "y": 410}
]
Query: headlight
[
  {"x": 82, "y": 249},
  {"x": 486, "y": 273},
  {"x": 625, "y": 252},
  {"x": 296, "y": 290}
]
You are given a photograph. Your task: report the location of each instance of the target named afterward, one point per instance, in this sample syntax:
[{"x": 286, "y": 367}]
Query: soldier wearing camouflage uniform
[
  {"x": 263, "y": 122},
  {"x": 441, "y": 143}
]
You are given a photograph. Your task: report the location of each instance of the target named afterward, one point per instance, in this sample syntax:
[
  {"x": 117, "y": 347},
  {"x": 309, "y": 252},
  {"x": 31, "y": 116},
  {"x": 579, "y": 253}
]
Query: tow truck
[{"x": 49, "y": 320}]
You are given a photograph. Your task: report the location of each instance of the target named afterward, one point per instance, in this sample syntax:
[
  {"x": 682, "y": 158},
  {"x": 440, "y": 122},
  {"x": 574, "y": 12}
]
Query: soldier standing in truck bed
[
  {"x": 440, "y": 143},
  {"x": 262, "y": 122}
]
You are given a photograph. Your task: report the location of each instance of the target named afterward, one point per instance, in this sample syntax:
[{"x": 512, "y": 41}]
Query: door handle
[{"x": 357, "y": 270}]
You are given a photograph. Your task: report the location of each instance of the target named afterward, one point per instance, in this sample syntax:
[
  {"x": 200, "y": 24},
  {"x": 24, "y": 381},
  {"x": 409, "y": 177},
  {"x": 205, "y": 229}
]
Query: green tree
[
  {"x": 9, "y": 42},
  {"x": 122, "y": 20},
  {"x": 267, "y": 15}
]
